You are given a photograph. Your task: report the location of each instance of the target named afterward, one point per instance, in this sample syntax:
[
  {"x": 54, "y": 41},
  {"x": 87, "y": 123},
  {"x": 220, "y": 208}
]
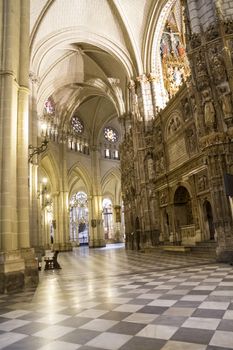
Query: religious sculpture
[
  {"x": 209, "y": 111},
  {"x": 202, "y": 183},
  {"x": 217, "y": 65},
  {"x": 226, "y": 105}
]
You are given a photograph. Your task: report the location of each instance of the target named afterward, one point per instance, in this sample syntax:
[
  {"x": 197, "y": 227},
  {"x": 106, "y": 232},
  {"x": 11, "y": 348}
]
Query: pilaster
[{"x": 96, "y": 220}]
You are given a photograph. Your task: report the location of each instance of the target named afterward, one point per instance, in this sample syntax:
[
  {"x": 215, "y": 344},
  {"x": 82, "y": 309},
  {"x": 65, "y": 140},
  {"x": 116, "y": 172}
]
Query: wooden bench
[{"x": 51, "y": 262}]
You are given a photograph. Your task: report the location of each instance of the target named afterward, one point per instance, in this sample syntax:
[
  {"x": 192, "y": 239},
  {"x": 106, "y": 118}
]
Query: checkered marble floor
[{"x": 114, "y": 299}]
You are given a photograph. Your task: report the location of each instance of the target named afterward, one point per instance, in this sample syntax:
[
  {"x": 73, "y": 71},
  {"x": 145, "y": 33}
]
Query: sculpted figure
[
  {"x": 226, "y": 105},
  {"x": 209, "y": 114},
  {"x": 209, "y": 110}
]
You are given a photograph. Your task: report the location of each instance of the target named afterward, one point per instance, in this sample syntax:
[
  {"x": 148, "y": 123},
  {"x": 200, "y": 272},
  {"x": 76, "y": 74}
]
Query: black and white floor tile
[{"x": 115, "y": 299}]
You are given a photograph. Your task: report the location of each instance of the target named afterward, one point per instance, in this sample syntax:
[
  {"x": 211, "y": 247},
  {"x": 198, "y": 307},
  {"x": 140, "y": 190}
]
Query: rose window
[{"x": 110, "y": 134}]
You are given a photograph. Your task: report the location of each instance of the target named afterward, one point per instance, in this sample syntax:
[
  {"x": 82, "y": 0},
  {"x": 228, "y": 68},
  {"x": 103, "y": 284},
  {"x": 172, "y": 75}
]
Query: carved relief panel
[
  {"x": 163, "y": 198},
  {"x": 174, "y": 124},
  {"x": 217, "y": 64},
  {"x": 202, "y": 182},
  {"x": 176, "y": 147}
]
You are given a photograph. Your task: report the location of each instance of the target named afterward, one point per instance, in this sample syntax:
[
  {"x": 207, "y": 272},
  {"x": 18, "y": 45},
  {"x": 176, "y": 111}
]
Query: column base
[
  {"x": 12, "y": 268},
  {"x": 18, "y": 269},
  {"x": 97, "y": 243},
  {"x": 31, "y": 275},
  {"x": 224, "y": 254},
  {"x": 63, "y": 247}
]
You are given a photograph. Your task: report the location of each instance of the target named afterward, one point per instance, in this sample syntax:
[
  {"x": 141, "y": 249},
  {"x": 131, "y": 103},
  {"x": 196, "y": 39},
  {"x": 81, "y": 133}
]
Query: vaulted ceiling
[{"x": 84, "y": 52}]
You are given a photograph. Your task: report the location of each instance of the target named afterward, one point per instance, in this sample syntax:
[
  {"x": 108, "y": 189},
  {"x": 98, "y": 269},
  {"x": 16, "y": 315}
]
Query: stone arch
[
  {"x": 76, "y": 172},
  {"x": 155, "y": 65},
  {"x": 79, "y": 181},
  {"x": 175, "y": 68},
  {"x": 153, "y": 31},
  {"x": 49, "y": 165},
  {"x": 183, "y": 214},
  {"x": 182, "y": 202},
  {"x": 76, "y": 35},
  {"x": 114, "y": 175}
]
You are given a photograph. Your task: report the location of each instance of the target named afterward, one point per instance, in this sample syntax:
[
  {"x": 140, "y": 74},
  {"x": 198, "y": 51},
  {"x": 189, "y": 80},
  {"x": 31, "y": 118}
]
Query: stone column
[
  {"x": 17, "y": 266},
  {"x": 11, "y": 263},
  {"x": 22, "y": 169},
  {"x": 145, "y": 97},
  {"x": 62, "y": 241},
  {"x": 153, "y": 79},
  {"x": 31, "y": 268},
  {"x": 34, "y": 170},
  {"x": 96, "y": 221}
]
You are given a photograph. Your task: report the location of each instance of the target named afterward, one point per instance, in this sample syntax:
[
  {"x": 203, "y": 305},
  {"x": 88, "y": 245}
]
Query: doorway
[
  {"x": 182, "y": 211},
  {"x": 108, "y": 220},
  {"x": 208, "y": 219}
]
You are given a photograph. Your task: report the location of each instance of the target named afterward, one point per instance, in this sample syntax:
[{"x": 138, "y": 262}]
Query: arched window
[
  {"x": 79, "y": 218},
  {"x": 77, "y": 124},
  {"x": 108, "y": 219},
  {"x": 110, "y": 134}
]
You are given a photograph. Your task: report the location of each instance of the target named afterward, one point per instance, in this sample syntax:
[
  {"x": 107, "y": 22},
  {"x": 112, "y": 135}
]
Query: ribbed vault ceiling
[{"x": 84, "y": 52}]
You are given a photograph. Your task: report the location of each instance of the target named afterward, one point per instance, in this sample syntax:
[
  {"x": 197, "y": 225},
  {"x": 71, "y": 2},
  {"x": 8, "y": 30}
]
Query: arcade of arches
[{"x": 114, "y": 129}]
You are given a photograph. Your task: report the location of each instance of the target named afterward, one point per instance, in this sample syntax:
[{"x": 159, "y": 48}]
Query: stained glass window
[
  {"x": 79, "y": 199},
  {"x": 49, "y": 106},
  {"x": 110, "y": 134},
  {"x": 79, "y": 228},
  {"x": 77, "y": 124}
]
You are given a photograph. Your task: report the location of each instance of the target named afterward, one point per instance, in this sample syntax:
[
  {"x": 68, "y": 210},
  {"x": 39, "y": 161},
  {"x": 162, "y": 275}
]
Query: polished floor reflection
[{"x": 114, "y": 299}]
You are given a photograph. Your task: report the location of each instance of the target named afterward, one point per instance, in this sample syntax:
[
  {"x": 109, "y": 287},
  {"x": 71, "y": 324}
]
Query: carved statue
[
  {"x": 174, "y": 125},
  {"x": 134, "y": 100},
  {"x": 209, "y": 114},
  {"x": 226, "y": 105},
  {"x": 209, "y": 110},
  {"x": 200, "y": 65},
  {"x": 211, "y": 32},
  {"x": 163, "y": 198},
  {"x": 186, "y": 108},
  {"x": 219, "y": 72},
  {"x": 191, "y": 140},
  {"x": 202, "y": 183}
]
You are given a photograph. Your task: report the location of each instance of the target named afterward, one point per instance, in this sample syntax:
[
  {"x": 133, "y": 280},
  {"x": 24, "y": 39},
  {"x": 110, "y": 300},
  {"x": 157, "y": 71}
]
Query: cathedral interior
[{"x": 116, "y": 134}]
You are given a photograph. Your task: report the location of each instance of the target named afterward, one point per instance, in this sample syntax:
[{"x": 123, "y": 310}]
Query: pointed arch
[
  {"x": 49, "y": 165},
  {"x": 79, "y": 172},
  {"x": 112, "y": 179},
  {"x": 159, "y": 13}
]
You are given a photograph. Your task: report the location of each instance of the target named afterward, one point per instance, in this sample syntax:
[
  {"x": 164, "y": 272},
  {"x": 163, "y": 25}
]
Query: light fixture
[{"x": 37, "y": 150}]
